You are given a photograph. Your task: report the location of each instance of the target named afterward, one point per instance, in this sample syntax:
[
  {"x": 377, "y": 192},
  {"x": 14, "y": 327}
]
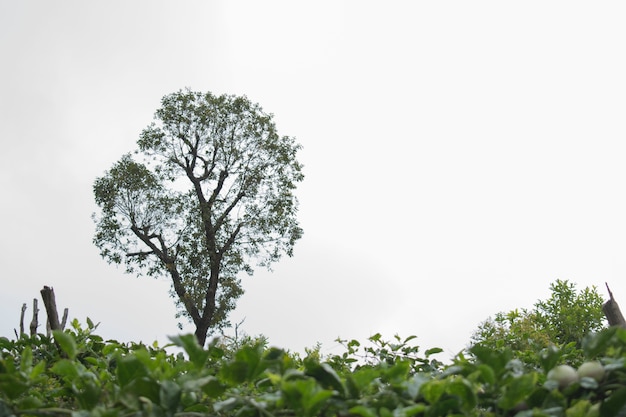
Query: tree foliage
[
  {"x": 208, "y": 194},
  {"x": 564, "y": 319}
]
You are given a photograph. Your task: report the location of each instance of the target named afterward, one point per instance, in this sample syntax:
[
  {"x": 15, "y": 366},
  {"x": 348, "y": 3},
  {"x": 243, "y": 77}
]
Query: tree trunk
[
  {"x": 612, "y": 311},
  {"x": 201, "y": 331},
  {"x": 47, "y": 293}
]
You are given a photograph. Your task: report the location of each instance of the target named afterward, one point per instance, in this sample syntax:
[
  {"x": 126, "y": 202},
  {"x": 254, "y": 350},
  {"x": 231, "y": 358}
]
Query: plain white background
[{"x": 459, "y": 156}]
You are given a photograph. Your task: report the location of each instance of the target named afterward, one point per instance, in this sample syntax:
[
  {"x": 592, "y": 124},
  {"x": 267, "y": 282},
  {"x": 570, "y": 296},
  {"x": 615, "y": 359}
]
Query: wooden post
[
  {"x": 64, "y": 319},
  {"x": 35, "y": 321},
  {"x": 47, "y": 293},
  {"x": 22, "y": 319},
  {"x": 612, "y": 311}
]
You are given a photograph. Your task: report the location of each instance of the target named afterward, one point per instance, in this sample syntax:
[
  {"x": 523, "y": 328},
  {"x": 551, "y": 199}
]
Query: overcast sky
[{"x": 459, "y": 156}]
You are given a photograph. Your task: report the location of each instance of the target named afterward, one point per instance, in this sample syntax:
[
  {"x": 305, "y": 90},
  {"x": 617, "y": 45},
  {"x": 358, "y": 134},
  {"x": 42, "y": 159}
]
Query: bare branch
[
  {"x": 231, "y": 240},
  {"x": 140, "y": 253},
  {"x": 64, "y": 319},
  {"x": 35, "y": 321},
  {"x": 177, "y": 281},
  {"x": 222, "y": 217},
  {"x": 22, "y": 319},
  {"x": 218, "y": 188},
  {"x": 612, "y": 311}
]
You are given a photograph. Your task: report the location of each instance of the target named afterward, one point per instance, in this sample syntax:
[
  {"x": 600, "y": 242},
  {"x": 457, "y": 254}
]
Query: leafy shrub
[
  {"x": 78, "y": 374},
  {"x": 562, "y": 320}
]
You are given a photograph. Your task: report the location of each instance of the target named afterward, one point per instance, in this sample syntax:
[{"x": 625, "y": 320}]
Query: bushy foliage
[
  {"x": 78, "y": 374},
  {"x": 562, "y": 320}
]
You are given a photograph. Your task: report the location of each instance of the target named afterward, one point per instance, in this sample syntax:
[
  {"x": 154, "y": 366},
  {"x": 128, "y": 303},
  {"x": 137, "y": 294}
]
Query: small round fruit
[
  {"x": 593, "y": 369},
  {"x": 563, "y": 374}
]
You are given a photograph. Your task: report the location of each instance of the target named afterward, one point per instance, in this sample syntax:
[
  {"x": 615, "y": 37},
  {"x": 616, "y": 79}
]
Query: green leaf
[
  {"x": 246, "y": 366},
  {"x": 415, "y": 383},
  {"x": 226, "y": 405},
  {"x": 433, "y": 390},
  {"x": 26, "y": 403},
  {"x": 26, "y": 361},
  {"x": 130, "y": 368},
  {"x": 411, "y": 410},
  {"x": 517, "y": 390},
  {"x": 497, "y": 360},
  {"x": 305, "y": 395},
  {"x": 359, "y": 381},
  {"x": 363, "y": 411},
  {"x": 12, "y": 386},
  {"x": 213, "y": 387},
  {"x": 145, "y": 387},
  {"x": 5, "y": 411},
  {"x": 313, "y": 402},
  {"x": 66, "y": 342},
  {"x": 596, "y": 344},
  {"x": 376, "y": 337},
  {"x": 588, "y": 383},
  {"x": 464, "y": 391},
  {"x": 197, "y": 355},
  {"x": 445, "y": 407},
  {"x": 433, "y": 351},
  {"x": 398, "y": 372},
  {"x": 37, "y": 370},
  {"x": 615, "y": 404},
  {"x": 487, "y": 374},
  {"x": 325, "y": 375},
  {"x": 579, "y": 409},
  {"x": 66, "y": 369},
  {"x": 88, "y": 395},
  {"x": 170, "y": 394}
]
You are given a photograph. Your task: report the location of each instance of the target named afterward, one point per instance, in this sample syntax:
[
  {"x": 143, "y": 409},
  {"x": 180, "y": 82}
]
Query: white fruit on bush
[
  {"x": 563, "y": 374},
  {"x": 593, "y": 369}
]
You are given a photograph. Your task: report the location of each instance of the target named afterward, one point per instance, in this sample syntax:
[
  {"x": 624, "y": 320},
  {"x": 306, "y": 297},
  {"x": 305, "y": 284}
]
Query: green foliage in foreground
[{"x": 78, "y": 374}]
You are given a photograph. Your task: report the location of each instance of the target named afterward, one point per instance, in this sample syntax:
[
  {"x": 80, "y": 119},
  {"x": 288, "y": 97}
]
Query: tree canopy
[{"x": 209, "y": 193}]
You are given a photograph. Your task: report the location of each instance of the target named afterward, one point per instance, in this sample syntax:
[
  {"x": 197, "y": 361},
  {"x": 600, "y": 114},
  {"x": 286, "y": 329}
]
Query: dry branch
[
  {"x": 34, "y": 323},
  {"x": 22, "y": 319},
  {"x": 612, "y": 312},
  {"x": 64, "y": 319},
  {"x": 47, "y": 293}
]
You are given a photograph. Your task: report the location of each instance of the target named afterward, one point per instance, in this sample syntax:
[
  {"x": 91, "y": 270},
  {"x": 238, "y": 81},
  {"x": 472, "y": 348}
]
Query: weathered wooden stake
[
  {"x": 22, "y": 319},
  {"x": 612, "y": 312},
  {"x": 64, "y": 319},
  {"x": 35, "y": 321},
  {"x": 47, "y": 293}
]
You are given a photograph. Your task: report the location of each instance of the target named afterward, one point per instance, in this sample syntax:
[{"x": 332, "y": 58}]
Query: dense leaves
[
  {"x": 561, "y": 320},
  {"x": 209, "y": 194},
  {"x": 77, "y": 373}
]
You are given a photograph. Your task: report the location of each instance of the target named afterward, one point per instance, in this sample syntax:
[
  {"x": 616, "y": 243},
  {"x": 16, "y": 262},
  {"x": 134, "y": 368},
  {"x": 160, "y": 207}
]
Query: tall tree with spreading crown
[{"x": 208, "y": 194}]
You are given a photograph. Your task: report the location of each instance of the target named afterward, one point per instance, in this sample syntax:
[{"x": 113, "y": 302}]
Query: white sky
[{"x": 459, "y": 156}]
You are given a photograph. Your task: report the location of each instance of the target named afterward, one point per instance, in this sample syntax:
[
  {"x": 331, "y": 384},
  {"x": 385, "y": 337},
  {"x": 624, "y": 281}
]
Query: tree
[
  {"x": 564, "y": 319},
  {"x": 210, "y": 195}
]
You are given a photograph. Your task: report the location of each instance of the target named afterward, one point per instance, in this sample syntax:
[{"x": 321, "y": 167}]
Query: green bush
[
  {"x": 78, "y": 374},
  {"x": 562, "y": 320}
]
